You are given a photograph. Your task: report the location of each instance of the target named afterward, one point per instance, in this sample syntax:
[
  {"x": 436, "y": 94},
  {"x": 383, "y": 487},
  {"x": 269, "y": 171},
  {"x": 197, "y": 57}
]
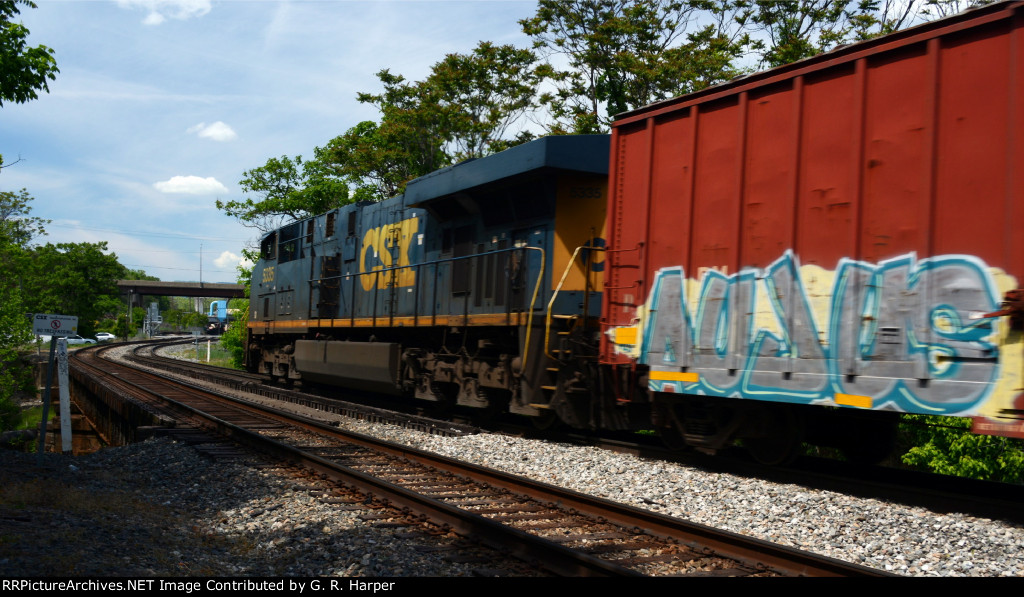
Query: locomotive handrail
[
  {"x": 558, "y": 288},
  {"x": 533, "y": 302},
  {"x": 393, "y": 271}
]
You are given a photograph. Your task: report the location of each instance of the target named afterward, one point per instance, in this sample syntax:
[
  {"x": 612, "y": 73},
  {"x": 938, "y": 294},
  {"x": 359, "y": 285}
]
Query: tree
[
  {"x": 234, "y": 337},
  {"x": 123, "y": 329},
  {"x": 376, "y": 159},
  {"x": 16, "y": 226},
  {"x": 485, "y": 94},
  {"x": 798, "y": 29},
  {"x": 17, "y": 229},
  {"x": 945, "y": 8},
  {"x": 464, "y": 109},
  {"x": 946, "y": 446},
  {"x": 74, "y": 279},
  {"x": 623, "y": 54},
  {"x": 23, "y": 70},
  {"x": 412, "y": 122},
  {"x": 289, "y": 189}
]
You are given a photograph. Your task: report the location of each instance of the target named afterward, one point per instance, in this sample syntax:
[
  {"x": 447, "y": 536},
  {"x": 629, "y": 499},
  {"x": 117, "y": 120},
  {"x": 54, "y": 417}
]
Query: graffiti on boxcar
[{"x": 904, "y": 334}]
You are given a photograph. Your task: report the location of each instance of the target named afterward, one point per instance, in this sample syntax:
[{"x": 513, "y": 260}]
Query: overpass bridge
[{"x": 141, "y": 288}]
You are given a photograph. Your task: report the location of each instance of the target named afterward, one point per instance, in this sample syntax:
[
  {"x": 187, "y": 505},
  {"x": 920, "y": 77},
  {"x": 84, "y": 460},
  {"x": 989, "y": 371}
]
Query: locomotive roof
[{"x": 577, "y": 153}]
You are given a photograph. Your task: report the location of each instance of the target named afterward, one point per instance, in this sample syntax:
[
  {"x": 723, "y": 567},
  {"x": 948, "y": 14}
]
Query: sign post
[
  {"x": 65, "y": 396},
  {"x": 54, "y": 326}
]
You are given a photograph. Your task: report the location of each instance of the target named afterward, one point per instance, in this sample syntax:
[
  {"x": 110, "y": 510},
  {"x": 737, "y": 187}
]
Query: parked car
[
  {"x": 105, "y": 336},
  {"x": 76, "y": 339}
]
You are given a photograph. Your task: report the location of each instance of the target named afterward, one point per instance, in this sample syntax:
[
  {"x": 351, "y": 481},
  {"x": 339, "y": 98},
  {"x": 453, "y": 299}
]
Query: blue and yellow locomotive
[{"x": 479, "y": 286}]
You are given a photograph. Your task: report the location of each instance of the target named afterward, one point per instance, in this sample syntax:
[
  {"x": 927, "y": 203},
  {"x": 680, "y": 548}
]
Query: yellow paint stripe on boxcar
[
  {"x": 854, "y": 400},
  {"x": 674, "y": 376}
]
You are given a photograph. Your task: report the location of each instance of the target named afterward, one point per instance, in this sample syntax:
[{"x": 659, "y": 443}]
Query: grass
[
  {"x": 31, "y": 417},
  {"x": 219, "y": 357}
]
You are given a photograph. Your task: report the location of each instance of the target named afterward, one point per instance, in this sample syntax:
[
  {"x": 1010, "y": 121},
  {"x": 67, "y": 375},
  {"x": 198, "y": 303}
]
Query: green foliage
[
  {"x": 173, "y": 317},
  {"x": 194, "y": 320},
  {"x": 945, "y": 445},
  {"x": 482, "y": 96},
  {"x": 17, "y": 229},
  {"x": 798, "y": 29},
  {"x": 378, "y": 160},
  {"x": 945, "y": 8},
  {"x": 464, "y": 109},
  {"x": 16, "y": 226},
  {"x": 73, "y": 279},
  {"x": 288, "y": 189},
  {"x": 15, "y": 331},
  {"x": 624, "y": 54},
  {"x": 234, "y": 338},
  {"x": 124, "y": 329},
  {"x": 24, "y": 71},
  {"x": 467, "y": 107},
  {"x": 250, "y": 256}
]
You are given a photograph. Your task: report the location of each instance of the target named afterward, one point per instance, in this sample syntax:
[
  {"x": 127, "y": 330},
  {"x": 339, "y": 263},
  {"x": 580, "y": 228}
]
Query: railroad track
[
  {"x": 560, "y": 531},
  {"x": 936, "y": 492},
  {"x": 145, "y": 355}
]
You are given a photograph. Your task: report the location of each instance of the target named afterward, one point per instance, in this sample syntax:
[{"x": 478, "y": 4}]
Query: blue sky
[{"x": 161, "y": 105}]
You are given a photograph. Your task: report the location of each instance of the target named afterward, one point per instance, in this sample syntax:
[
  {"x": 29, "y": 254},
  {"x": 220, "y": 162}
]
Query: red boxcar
[{"x": 842, "y": 231}]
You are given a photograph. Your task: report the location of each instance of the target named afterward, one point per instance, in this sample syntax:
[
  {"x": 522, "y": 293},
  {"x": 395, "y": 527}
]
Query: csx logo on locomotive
[{"x": 377, "y": 255}]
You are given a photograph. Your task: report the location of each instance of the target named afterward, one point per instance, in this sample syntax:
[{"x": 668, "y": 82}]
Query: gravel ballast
[
  {"x": 236, "y": 520},
  {"x": 159, "y": 508}
]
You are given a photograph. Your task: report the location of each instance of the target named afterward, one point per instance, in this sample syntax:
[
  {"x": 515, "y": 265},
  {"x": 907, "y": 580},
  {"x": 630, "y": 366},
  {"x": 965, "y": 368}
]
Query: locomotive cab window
[
  {"x": 268, "y": 248},
  {"x": 329, "y": 226},
  {"x": 289, "y": 245}
]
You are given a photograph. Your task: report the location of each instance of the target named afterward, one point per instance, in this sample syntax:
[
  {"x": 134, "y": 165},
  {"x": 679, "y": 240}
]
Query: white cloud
[
  {"x": 217, "y": 131},
  {"x": 159, "y": 10},
  {"x": 191, "y": 185},
  {"x": 228, "y": 260}
]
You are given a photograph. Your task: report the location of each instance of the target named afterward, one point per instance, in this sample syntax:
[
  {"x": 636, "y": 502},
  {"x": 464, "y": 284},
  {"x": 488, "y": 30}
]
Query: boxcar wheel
[
  {"x": 672, "y": 439},
  {"x": 873, "y": 441},
  {"x": 782, "y": 443}
]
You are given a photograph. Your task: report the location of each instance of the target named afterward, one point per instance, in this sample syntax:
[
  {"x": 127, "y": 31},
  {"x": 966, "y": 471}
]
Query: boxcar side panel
[{"x": 837, "y": 232}]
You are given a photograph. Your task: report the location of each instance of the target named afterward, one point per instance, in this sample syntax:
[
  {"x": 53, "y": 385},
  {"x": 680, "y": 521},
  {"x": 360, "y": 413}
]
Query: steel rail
[{"x": 752, "y": 553}]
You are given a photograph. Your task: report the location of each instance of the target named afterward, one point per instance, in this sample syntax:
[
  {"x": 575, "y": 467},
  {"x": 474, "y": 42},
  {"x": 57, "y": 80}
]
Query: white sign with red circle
[{"x": 44, "y": 324}]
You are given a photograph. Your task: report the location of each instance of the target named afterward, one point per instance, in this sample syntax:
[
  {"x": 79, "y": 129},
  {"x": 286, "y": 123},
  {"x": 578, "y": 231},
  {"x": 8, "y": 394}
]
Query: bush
[{"x": 945, "y": 445}]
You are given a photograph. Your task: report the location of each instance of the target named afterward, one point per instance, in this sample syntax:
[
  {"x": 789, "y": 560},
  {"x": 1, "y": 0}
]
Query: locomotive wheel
[
  {"x": 497, "y": 403},
  {"x": 446, "y": 393},
  {"x": 547, "y": 420}
]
